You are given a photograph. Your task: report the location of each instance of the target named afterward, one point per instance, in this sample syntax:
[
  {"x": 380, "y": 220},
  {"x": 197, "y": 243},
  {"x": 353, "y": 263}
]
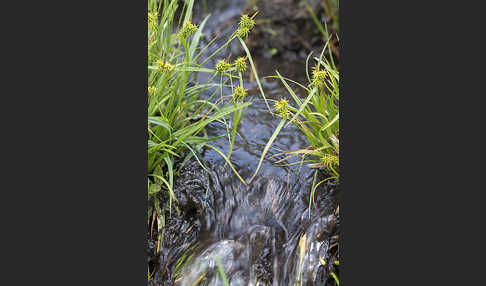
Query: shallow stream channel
[{"x": 268, "y": 232}]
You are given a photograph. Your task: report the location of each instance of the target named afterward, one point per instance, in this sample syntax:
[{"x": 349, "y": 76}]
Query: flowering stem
[
  {"x": 222, "y": 102},
  {"x": 241, "y": 78},
  {"x": 235, "y": 120},
  {"x": 233, "y": 135},
  {"x": 185, "y": 73}
]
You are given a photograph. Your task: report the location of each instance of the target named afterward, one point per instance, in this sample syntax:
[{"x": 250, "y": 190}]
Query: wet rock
[{"x": 255, "y": 230}]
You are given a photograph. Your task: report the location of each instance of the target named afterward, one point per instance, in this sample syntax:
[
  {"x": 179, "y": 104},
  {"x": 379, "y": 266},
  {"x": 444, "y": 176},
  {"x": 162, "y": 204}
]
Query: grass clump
[
  {"x": 177, "y": 114},
  {"x": 317, "y": 117}
]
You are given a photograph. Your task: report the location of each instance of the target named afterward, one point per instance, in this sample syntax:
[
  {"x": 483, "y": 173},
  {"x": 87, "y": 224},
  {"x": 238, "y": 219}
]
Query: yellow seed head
[
  {"x": 329, "y": 160},
  {"x": 242, "y": 32},
  {"x": 282, "y": 108},
  {"x": 239, "y": 94},
  {"x": 247, "y": 22},
  {"x": 152, "y": 19},
  {"x": 318, "y": 77},
  {"x": 245, "y": 27},
  {"x": 164, "y": 66},
  {"x": 187, "y": 29},
  {"x": 152, "y": 90},
  {"x": 222, "y": 66},
  {"x": 240, "y": 64}
]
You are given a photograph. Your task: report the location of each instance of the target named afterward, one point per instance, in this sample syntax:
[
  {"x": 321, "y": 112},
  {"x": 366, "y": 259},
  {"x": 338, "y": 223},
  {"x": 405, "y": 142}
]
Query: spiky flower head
[
  {"x": 242, "y": 32},
  {"x": 239, "y": 94},
  {"x": 329, "y": 160},
  {"x": 246, "y": 21},
  {"x": 240, "y": 64},
  {"x": 318, "y": 77},
  {"x": 246, "y": 25},
  {"x": 282, "y": 108},
  {"x": 187, "y": 29},
  {"x": 152, "y": 19},
  {"x": 222, "y": 66},
  {"x": 164, "y": 66}
]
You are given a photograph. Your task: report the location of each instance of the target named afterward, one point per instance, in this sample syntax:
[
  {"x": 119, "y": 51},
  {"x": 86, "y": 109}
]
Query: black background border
[{"x": 79, "y": 169}]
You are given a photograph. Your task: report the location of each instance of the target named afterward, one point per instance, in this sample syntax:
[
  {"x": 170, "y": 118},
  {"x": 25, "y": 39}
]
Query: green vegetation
[
  {"x": 332, "y": 9},
  {"x": 221, "y": 272},
  {"x": 317, "y": 117},
  {"x": 177, "y": 114}
]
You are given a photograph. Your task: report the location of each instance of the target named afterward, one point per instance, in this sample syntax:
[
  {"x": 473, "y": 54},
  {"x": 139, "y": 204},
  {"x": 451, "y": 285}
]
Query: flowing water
[{"x": 264, "y": 233}]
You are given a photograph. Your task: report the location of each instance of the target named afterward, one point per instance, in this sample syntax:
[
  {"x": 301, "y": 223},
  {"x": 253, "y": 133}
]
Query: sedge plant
[
  {"x": 177, "y": 114},
  {"x": 316, "y": 115}
]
